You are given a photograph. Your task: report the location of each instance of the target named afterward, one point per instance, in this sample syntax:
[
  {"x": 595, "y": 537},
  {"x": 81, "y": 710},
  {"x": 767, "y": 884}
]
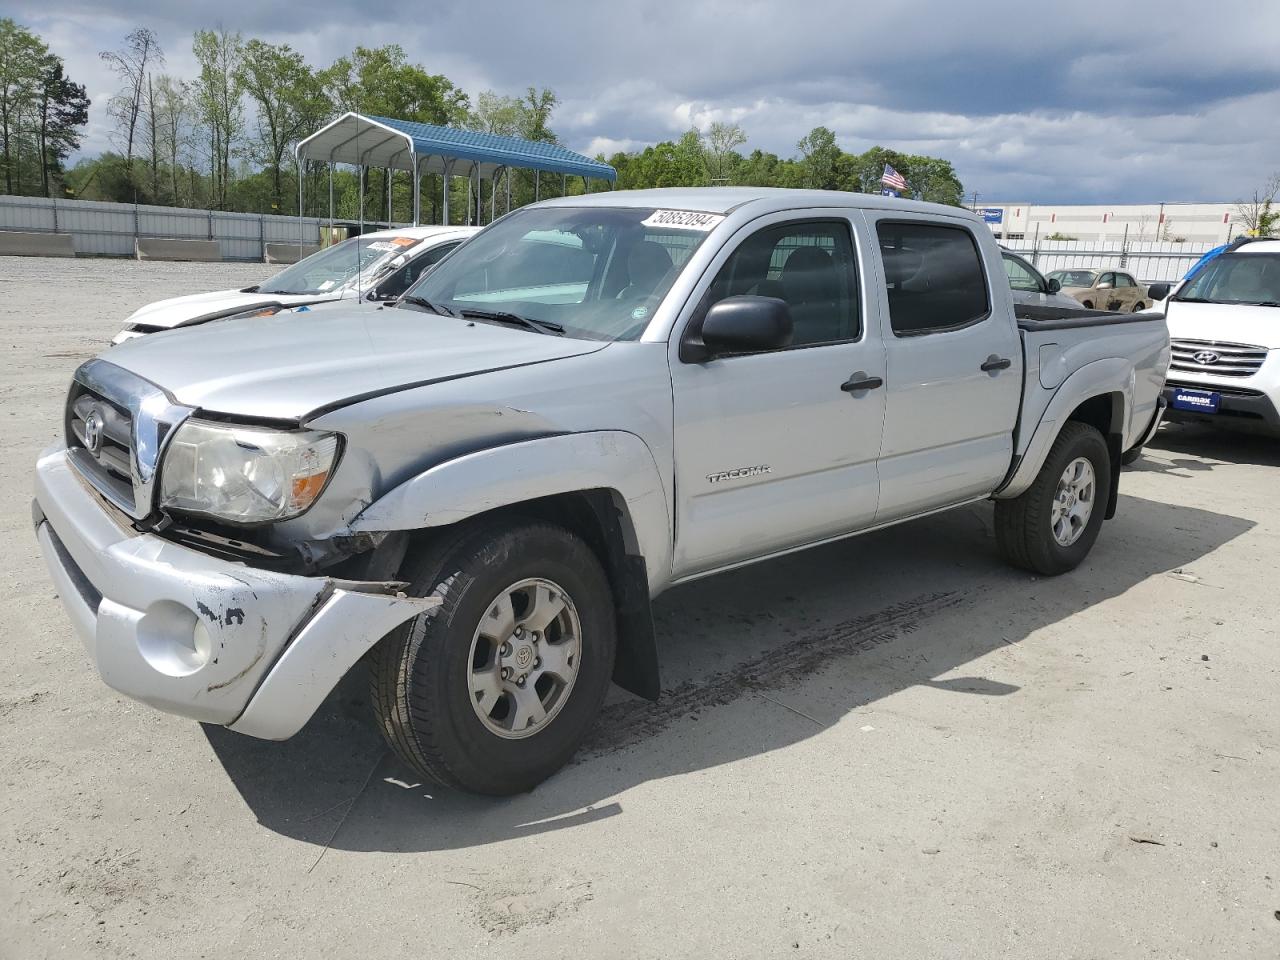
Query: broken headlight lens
[{"x": 245, "y": 474}]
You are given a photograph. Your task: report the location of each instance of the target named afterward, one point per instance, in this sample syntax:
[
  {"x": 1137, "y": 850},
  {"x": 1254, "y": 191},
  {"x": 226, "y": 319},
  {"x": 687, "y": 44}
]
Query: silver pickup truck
[{"x": 479, "y": 490}]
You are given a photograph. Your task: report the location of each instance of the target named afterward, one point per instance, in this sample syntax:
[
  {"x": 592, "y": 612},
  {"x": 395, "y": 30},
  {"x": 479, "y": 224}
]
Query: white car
[
  {"x": 1224, "y": 321},
  {"x": 375, "y": 266}
]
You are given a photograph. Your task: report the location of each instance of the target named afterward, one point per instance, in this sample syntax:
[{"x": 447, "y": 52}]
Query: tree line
[
  {"x": 42, "y": 112},
  {"x": 224, "y": 138}
]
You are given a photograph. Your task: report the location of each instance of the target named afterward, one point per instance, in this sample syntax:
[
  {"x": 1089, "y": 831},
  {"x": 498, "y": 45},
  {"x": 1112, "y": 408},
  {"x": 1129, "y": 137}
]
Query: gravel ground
[{"x": 894, "y": 747}]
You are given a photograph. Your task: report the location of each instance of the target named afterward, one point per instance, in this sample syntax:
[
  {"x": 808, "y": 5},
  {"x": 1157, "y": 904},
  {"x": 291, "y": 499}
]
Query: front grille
[
  {"x": 108, "y": 462},
  {"x": 1218, "y": 359},
  {"x": 117, "y": 425}
]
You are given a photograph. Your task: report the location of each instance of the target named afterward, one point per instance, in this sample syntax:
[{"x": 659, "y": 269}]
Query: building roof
[{"x": 385, "y": 142}]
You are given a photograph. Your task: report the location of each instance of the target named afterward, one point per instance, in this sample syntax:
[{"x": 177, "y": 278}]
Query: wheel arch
[
  {"x": 1099, "y": 394},
  {"x": 603, "y": 487}
]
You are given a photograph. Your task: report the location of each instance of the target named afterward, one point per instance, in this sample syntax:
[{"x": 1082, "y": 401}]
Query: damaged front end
[{"x": 201, "y": 635}]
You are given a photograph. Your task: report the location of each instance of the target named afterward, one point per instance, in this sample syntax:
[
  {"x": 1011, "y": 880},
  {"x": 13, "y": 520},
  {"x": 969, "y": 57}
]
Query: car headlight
[
  {"x": 245, "y": 474},
  {"x": 270, "y": 311}
]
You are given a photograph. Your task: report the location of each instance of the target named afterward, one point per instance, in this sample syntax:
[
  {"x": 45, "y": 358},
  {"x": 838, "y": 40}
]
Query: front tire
[
  {"x": 494, "y": 690},
  {"x": 1052, "y": 526}
]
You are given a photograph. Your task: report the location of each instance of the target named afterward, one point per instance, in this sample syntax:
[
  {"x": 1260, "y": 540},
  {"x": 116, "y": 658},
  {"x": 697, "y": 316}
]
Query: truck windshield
[
  {"x": 1237, "y": 278},
  {"x": 594, "y": 272},
  {"x": 334, "y": 267}
]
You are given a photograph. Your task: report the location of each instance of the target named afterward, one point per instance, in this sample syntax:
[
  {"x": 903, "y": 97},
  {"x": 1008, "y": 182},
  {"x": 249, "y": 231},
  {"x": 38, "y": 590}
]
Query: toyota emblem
[
  {"x": 92, "y": 434},
  {"x": 1206, "y": 357}
]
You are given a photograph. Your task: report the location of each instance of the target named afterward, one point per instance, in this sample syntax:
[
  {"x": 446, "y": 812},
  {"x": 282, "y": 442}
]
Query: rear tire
[
  {"x": 441, "y": 690},
  {"x": 1087, "y": 304},
  {"x": 1051, "y": 527},
  {"x": 1139, "y": 307},
  {"x": 1130, "y": 457}
]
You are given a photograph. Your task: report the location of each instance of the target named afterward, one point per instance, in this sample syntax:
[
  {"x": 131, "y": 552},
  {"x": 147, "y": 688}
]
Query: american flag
[{"x": 892, "y": 178}]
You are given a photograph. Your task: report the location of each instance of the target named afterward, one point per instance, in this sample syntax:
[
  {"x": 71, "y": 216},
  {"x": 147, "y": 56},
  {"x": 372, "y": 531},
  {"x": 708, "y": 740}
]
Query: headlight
[
  {"x": 245, "y": 474},
  {"x": 270, "y": 311}
]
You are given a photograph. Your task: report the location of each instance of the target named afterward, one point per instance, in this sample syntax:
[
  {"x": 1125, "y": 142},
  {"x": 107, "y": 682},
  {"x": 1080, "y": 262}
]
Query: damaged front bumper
[{"x": 204, "y": 638}]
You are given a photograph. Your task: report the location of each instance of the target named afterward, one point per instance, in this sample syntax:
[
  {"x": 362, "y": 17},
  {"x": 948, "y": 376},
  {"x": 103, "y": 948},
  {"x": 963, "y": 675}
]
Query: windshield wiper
[
  {"x": 502, "y": 316},
  {"x": 1261, "y": 303},
  {"x": 1192, "y": 300},
  {"x": 429, "y": 305}
]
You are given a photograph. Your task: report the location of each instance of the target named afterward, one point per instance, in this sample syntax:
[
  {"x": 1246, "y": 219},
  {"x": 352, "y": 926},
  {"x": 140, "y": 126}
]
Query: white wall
[{"x": 1211, "y": 223}]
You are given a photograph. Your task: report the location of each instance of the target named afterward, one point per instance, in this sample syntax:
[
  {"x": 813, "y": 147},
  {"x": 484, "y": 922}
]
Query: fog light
[{"x": 173, "y": 640}]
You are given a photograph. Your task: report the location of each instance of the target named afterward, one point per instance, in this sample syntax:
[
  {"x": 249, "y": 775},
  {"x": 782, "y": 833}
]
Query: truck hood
[
  {"x": 178, "y": 311},
  {"x": 1224, "y": 322},
  {"x": 291, "y": 365}
]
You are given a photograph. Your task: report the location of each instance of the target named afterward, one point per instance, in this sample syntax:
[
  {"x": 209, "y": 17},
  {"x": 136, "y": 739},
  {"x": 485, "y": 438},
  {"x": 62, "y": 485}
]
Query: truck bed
[
  {"x": 1059, "y": 342},
  {"x": 1034, "y": 317}
]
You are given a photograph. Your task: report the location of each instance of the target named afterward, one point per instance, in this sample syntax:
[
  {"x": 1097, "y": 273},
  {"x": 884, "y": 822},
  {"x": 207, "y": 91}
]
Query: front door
[
  {"x": 1106, "y": 297},
  {"x": 1127, "y": 292},
  {"x": 778, "y": 449},
  {"x": 954, "y": 361}
]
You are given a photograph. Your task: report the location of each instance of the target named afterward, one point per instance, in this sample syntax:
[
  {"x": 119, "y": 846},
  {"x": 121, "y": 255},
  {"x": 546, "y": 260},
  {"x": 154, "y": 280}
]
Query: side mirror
[
  {"x": 739, "y": 325},
  {"x": 1055, "y": 285},
  {"x": 1159, "y": 291},
  {"x": 1105, "y": 286}
]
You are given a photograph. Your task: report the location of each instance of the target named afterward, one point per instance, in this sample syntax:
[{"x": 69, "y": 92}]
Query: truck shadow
[
  {"x": 1208, "y": 444},
  {"x": 754, "y": 661}
]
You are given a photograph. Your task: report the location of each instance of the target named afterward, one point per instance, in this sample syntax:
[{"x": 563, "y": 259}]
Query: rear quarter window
[{"x": 933, "y": 277}]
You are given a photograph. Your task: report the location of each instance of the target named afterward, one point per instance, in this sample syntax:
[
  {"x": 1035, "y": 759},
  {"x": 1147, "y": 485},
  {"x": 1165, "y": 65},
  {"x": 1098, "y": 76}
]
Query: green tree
[
  {"x": 219, "y": 101},
  {"x": 720, "y": 149},
  {"x": 132, "y": 64},
  {"x": 23, "y": 57},
  {"x": 289, "y": 102},
  {"x": 1259, "y": 216},
  {"x": 171, "y": 105},
  {"x": 382, "y": 82},
  {"x": 536, "y": 109},
  {"x": 821, "y": 159},
  {"x": 62, "y": 110},
  {"x": 497, "y": 114}
]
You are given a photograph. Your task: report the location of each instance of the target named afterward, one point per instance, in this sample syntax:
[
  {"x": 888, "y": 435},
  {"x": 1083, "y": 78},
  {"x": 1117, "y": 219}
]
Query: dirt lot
[{"x": 892, "y": 747}]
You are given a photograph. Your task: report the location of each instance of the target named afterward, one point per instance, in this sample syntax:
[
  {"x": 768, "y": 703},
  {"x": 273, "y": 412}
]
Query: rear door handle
[
  {"x": 995, "y": 363},
  {"x": 860, "y": 381}
]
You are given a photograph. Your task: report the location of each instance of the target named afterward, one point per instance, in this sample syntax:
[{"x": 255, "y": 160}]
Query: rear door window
[{"x": 933, "y": 277}]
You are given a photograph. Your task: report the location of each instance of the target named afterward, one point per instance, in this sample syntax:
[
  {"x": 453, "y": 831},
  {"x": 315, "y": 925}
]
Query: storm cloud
[{"x": 1140, "y": 101}]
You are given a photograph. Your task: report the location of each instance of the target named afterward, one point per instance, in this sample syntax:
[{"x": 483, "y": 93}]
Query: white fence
[
  {"x": 1151, "y": 261},
  {"x": 109, "y": 229}
]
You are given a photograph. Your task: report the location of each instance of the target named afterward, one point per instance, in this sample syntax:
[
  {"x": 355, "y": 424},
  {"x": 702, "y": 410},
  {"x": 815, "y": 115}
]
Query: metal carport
[{"x": 419, "y": 148}]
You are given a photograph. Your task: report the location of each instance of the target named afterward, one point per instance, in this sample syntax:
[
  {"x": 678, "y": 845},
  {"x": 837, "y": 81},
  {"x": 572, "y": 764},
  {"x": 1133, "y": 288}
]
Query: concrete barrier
[
  {"x": 14, "y": 243},
  {"x": 288, "y": 252},
  {"x": 156, "y": 248}
]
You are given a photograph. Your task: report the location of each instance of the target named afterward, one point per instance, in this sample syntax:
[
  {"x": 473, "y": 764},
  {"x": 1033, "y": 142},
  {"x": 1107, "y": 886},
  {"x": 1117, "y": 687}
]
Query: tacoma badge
[{"x": 741, "y": 473}]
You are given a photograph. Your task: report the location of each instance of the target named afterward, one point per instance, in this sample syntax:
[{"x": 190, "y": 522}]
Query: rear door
[
  {"x": 774, "y": 450},
  {"x": 954, "y": 367}
]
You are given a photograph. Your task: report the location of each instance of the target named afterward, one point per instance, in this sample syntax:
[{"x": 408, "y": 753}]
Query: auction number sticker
[{"x": 683, "y": 220}]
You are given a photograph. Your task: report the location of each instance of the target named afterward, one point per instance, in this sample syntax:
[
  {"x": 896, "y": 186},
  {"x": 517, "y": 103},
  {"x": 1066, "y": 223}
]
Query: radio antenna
[{"x": 360, "y": 184}]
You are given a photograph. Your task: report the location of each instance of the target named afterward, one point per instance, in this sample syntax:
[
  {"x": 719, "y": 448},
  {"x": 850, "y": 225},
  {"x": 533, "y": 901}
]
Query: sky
[{"x": 1119, "y": 102}]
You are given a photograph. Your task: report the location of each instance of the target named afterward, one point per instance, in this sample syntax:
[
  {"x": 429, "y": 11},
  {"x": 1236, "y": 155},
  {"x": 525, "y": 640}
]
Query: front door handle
[
  {"x": 995, "y": 363},
  {"x": 860, "y": 381}
]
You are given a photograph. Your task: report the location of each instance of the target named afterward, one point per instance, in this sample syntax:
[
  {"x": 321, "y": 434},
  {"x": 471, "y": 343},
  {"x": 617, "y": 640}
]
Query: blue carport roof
[{"x": 384, "y": 142}]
